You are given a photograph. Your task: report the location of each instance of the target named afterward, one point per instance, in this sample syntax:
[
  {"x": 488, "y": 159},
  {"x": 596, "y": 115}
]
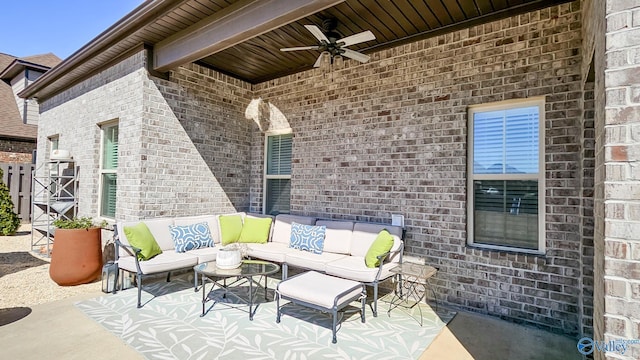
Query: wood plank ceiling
[{"x": 393, "y": 23}]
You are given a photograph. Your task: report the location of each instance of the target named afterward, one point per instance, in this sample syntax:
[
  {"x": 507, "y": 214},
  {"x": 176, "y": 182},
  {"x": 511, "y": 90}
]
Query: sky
[{"x": 32, "y": 27}]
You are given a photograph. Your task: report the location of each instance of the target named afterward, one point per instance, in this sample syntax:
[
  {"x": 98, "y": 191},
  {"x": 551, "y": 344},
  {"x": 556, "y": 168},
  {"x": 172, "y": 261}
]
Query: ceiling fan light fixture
[
  {"x": 338, "y": 61},
  {"x": 326, "y": 60}
]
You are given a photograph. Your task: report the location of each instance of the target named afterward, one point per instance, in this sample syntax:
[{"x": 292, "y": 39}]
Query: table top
[
  {"x": 248, "y": 268},
  {"x": 419, "y": 271}
]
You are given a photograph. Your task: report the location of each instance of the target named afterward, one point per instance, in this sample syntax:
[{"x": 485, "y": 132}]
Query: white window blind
[
  {"x": 505, "y": 177},
  {"x": 277, "y": 188},
  {"x": 108, "y": 176},
  {"x": 506, "y": 142}
]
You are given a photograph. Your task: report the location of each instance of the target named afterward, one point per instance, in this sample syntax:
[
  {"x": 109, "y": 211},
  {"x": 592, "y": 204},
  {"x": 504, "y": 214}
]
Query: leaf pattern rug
[{"x": 169, "y": 326}]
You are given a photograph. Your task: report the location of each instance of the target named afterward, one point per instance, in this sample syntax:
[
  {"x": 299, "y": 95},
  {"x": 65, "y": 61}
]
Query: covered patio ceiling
[
  {"x": 242, "y": 38},
  {"x": 392, "y": 22}
]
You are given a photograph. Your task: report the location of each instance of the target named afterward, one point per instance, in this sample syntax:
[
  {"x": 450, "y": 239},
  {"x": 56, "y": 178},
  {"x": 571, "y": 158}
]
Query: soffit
[{"x": 259, "y": 59}]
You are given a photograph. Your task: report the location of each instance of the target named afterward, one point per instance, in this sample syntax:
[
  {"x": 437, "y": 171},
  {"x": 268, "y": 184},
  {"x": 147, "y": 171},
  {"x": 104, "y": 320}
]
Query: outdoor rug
[{"x": 169, "y": 326}]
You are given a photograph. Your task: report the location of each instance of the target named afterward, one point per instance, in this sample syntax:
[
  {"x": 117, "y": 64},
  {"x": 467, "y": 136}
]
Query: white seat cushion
[
  {"x": 308, "y": 260},
  {"x": 167, "y": 261},
  {"x": 318, "y": 289},
  {"x": 354, "y": 267},
  {"x": 270, "y": 251},
  {"x": 205, "y": 254}
]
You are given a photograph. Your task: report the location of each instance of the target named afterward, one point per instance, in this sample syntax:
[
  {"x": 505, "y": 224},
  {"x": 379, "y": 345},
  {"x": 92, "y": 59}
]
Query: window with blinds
[
  {"x": 277, "y": 186},
  {"x": 506, "y": 175},
  {"x": 108, "y": 168}
]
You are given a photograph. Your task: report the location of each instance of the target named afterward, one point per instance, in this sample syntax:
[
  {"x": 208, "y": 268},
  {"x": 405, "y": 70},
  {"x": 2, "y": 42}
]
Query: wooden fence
[{"x": 18, "y": 180}]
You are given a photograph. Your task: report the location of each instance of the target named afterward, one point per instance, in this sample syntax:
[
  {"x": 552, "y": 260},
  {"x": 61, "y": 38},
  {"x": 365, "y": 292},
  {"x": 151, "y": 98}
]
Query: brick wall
[
  {"x": 14, "y": 151},
  {"x": 593, "y": 58},
  {"x": 389, "y": 137},
  {"x": 198, "y": 155},
  {"x": 620, "y": 165},
  {"x": 587, "y": 160},
  {"x": 75, "y": 115}
]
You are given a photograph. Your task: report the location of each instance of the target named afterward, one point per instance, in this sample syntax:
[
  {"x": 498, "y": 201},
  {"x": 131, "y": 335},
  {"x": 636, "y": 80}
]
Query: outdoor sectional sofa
[{"x": 343, "y": 253}]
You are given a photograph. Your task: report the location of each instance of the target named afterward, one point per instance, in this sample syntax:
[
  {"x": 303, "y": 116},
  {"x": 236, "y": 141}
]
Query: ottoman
[{"x": 321, "y": 292}]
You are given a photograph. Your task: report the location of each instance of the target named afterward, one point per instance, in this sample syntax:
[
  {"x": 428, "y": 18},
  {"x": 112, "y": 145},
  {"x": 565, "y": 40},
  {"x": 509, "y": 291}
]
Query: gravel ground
[{"x": 24, "y": 275}]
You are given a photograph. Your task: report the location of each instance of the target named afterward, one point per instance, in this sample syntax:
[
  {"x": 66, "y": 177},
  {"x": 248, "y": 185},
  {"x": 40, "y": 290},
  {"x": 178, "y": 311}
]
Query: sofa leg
[
  {"x": 169, "y": 276},
  {"x": 195, "y": 281},
  {"x": 285, "y": 270},
  {"x": 375, "y": 300},
  {"x": 139, "y": 290}
]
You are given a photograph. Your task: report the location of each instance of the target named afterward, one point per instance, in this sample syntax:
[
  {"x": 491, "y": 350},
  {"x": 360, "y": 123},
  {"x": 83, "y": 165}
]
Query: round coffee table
[{"x": 246, "y": 271}]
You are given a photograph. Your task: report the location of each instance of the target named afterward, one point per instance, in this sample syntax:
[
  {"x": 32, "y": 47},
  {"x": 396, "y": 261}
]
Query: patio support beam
[{"x": 230, "y": 26}]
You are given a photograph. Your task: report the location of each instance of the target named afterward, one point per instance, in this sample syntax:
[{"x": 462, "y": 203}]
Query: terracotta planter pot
[{"x": 76, "y": 257}]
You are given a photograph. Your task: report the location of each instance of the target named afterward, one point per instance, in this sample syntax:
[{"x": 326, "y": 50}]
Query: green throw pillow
[
  {"x": 230, "y": 228},
  {"x": 139, "y": 236},
  {"x": 255, "y": 230},
  {"x": 381, "y": 245}
]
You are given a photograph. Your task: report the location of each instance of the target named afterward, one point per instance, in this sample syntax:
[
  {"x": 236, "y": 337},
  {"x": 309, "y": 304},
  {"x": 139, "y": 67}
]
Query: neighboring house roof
[{"x": 11, "y": 124}]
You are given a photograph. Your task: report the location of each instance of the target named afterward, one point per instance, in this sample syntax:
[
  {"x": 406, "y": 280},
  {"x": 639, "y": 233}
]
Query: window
[
  {"x": 277, "y": 183},
  {"x": 506, "y": 175},
  {"x": 108, "y": 167}
]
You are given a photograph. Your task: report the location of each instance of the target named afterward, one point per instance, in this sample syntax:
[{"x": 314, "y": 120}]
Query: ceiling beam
[{"x": 230, "y": 26}]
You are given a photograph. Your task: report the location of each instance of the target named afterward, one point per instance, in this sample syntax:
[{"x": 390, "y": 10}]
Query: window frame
[
  {"x": 266, "y": 176},
  {"x": 540, "y": 176},
  {"x": 101, "y": 170}
]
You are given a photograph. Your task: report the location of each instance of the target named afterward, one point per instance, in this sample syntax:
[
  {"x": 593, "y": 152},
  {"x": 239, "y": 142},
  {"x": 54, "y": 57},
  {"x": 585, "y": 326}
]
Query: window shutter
[
  {"x": 278, "y": 196},
  {"x": 109, "y": 195},
  {"x": 110, "y": 155},
  {"x": 279, "y": 149}
]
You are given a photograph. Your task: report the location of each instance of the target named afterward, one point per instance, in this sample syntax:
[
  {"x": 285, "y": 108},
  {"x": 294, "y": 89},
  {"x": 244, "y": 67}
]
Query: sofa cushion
[
  {"x": 308, "y": 260},
  {"x": 354, "y": 268},
  {"x": 282, "y": 226},
  {"x": 205, "y": 254},
  {"x": 167, "y": 261},
  {"x": 189, "y": 237},
  {"x": 307, "y": 237},
  {"x": 270, "y": 251},
  {"x": 337, "y": 237},
  {"x": 255, "y": 230},
  {"x": 230, "y": 228},
  {"x": 140, "y": 237},
  {"x": 158, "y": 227},
  {"x": 381, "y": 245},
  {"x": 364, "y": 234},
  {"x": 211, "y": 220}
]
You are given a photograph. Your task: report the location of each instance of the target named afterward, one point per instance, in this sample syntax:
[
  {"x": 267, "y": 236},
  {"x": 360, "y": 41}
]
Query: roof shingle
[{"x": 11, "y": 125}]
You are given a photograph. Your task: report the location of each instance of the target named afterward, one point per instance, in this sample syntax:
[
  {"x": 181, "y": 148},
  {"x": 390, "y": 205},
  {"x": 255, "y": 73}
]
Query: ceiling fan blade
[
  {"x": 317, "y": 32},
  {"x": 314, "y": 47},
  {"x": 358, "y": 38},
  {"x": 355, "y": 55}
]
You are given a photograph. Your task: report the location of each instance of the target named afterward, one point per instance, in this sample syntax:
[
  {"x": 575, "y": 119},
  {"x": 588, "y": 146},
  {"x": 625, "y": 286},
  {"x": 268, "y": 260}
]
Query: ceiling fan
[{"x": 331, "y": 42}]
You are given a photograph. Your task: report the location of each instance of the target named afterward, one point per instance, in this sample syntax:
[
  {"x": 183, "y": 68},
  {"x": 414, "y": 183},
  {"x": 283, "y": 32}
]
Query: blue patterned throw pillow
[
  {"x": 307, "y": 237},
  {"x": 189, "y": 237}
]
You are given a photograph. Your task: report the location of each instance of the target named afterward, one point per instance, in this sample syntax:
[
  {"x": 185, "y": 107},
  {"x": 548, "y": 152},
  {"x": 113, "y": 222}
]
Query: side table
[{"x": 413, "y": 280}]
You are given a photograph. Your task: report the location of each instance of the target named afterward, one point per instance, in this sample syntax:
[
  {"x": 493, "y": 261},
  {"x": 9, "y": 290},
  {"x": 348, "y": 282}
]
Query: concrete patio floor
[{"x": 58, "y": 330}]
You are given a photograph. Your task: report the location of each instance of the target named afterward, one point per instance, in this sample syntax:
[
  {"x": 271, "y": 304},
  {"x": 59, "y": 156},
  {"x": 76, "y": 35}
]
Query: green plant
[
  {"x": 77, "y": 223},
  {"x": 9, "y": 220}
]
